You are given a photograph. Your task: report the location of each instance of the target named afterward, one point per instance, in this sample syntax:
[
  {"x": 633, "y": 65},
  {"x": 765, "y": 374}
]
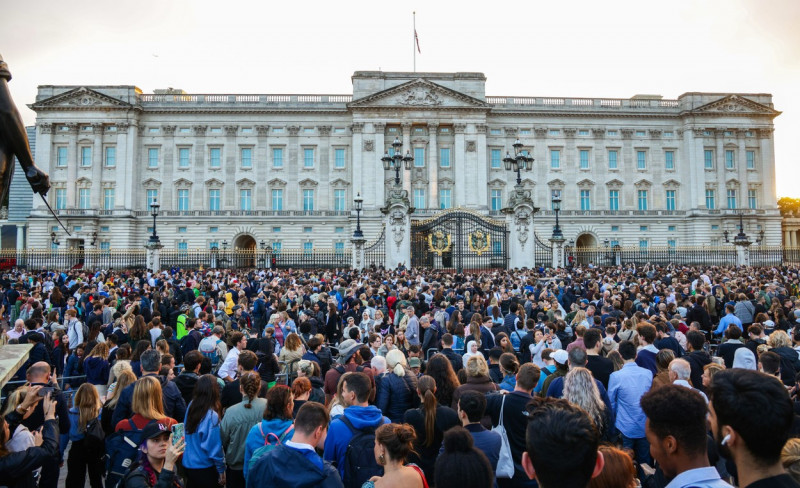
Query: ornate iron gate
[
  {"x": 375, "y": 252},
  {"x": 461, "y": 240}
]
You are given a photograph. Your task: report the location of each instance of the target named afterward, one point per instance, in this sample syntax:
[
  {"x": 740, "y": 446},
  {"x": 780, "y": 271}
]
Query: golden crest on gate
[
  {"x": 439, "y": 242},
  {"x": 479, "y": 242}
]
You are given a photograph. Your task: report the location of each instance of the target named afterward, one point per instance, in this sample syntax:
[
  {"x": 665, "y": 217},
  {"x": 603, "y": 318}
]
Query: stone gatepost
[
  {"x": 398, "y": 212},
  {"x": 154, "y": 256},
  {"x": 358, "y": 259},
  {"x": 558, "y": 251},
  {"x": 519, "y": 219},
  {"x": 742, "y": 244}
]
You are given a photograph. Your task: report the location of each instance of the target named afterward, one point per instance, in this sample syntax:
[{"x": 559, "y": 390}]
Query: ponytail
[
  {"x": 399, "y": 370},
  {"x": 427, "y": 387}
]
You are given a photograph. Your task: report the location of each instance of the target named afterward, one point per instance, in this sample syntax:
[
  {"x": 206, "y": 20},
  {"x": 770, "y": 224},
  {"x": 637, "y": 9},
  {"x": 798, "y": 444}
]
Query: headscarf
[{"x": 468, "y": 353}]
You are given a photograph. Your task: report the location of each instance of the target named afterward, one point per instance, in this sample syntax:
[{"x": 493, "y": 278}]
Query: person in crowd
[
  {"x": 790, "y": 458},
  {"x": 727, "y": 350},
  {"x": 158, "y": 460},
  {"x": 19, "y": 438},
  {"x": 440, "y": 368},
  {"x": 203, "y": 458},
  {"x": 173, "y": 404},
  {"x": 663, "y": 359},
  {"x": 301, "y": 391},
  {"x": 393, "y": 443},
  {"x": 311, "y": 370},
  {"x": 678, "y": 443},
  {"x": 430, "y": 421},
  {"x": 231, "y": 393},
  {"x": 84, "y": 454},
  {"x": 276, "y": 425},
  {"x": 17, "y": 467},
  {"x": 477, "y": 372},
  {"x": 508, "y": 367},
  {"x": 461, "y": 464},
  {"x": 781, "y": 344},
  {"x": 729, "y": 319},
  {"x": 358, "y": 415},
  {"x": 625, "y": 388},
  {"x": 74, "y": 370},
  {"x": 471, "y": 409},
  {"x": 736, "y": 397},
  {"x": 97, "y": 368},
  {"x": 697, "y": 357},
  {"x": 228, "y": 370},
  {"x": 125, "y": 378},
  {"x": 600, "y": 366},
  {"x": 147, "y": 405},
  {"x": 679, "y": 373},
  {"x": 547, "y": 369},
  {"x": 581, "y": 389},
  {"x": 744, "y": 359},
  {"x": 618, "y": 469},
  {"x": 187, "y": 379},
  {"x": 398, "y": 388},
  {"x": 236, "y": 425},
  {"x": 307, "y": 468},
  {"x": 511, "y": 408},
  {"x": 472, "y": 350},
  {"x": 291, "y": 353},
  {"x": 561, "y": 444}
]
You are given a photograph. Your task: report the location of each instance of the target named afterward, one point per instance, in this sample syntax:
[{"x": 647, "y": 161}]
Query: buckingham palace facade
[{"x": 285, "y": 169}]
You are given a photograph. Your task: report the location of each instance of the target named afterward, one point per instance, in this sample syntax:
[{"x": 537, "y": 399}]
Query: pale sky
[{"x": 612, "y": 49}]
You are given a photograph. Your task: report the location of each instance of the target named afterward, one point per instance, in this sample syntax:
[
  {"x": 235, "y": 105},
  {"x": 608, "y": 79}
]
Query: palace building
[{"x": 285, "y": 169}]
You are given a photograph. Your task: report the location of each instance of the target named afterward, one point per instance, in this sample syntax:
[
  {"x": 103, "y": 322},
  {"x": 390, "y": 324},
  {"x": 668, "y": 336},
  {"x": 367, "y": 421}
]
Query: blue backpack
[
  {"x": 122, "y": 449},
  {"x": 271, "y": 441}
]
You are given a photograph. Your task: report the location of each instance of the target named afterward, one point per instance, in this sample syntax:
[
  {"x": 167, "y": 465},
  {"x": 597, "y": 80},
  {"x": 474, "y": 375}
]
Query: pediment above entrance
[
  {"x": 734, "y": 105},
  {"x": 419, "y": 94},
  {"x": 80, "y": 98}
]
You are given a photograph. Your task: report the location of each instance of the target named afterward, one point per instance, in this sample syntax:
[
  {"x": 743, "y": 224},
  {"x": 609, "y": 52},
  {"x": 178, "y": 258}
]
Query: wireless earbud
[{"x": 726, "y": 439}]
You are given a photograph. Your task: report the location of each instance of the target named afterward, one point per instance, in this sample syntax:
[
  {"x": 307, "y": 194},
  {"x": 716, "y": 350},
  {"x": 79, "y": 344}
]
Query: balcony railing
[
  {"x": 150, "y": 99},
  {"x": 582, "y": 103}
]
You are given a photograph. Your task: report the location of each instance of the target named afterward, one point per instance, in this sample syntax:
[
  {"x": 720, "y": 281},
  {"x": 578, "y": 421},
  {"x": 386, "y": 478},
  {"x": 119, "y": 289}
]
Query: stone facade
[{"x": 285, "y": 168}]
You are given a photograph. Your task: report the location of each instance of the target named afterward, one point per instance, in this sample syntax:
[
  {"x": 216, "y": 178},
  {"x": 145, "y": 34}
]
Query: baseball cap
[
  {"x": 560, "y": 356},
  {"x": 414, "y": 363},
  {"x": 153, "y": 430}
]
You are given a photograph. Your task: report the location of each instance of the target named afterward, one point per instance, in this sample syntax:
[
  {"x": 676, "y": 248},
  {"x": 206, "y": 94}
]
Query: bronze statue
[{"x": 14, "y": 142}]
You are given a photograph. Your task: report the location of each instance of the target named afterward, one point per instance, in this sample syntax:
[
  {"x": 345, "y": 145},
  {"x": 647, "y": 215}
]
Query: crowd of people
[{"x": 654, "y": 376}]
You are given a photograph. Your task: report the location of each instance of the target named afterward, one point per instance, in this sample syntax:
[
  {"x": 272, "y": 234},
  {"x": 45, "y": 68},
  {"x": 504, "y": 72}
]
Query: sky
[{"x": 612, "y": 49}]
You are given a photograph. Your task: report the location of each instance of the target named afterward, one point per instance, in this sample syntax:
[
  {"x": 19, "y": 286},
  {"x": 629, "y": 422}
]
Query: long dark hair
[
  {"x": 426, "y": 386},
  {"x": 441, "y": 370},
  {"x": 205, "y": 398}
]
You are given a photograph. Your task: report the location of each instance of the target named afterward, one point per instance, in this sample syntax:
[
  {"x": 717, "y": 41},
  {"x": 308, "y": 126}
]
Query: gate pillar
[
  {"x": 357, "y": 262},
  {"x": 398, "y": 228},
  {"x": 519, "y": 218}
]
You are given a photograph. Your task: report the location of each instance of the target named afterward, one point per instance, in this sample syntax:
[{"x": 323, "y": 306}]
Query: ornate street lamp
[
  {"x": 359, "y": 206},
  {"x": 154, "y": 208},
  {"x": 224, "y": 245},
  {"x": 395, "y": 161},
  {"x": 54, "y": 239},
  {"x": 519, "y": 162},
  {"x": 741, "y": 236},
  {"x": 557, "y": 234}
]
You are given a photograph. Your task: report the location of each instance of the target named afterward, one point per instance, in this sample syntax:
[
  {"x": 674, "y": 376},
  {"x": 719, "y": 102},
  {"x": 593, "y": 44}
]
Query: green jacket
[{"x": 235, "y": 426}]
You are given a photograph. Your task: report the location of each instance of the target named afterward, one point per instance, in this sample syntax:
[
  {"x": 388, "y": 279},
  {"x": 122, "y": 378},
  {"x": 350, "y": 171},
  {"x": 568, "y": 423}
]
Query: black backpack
[
  {"x": 359, "y": 458},
  {"x": 95, "y": 437},
  {"x": 122, "y": 448}
]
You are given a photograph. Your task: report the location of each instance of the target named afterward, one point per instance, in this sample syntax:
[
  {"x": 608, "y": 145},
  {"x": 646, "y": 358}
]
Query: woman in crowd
[
  {"x": 125, "y": 378},
  {"x": 60, "y": 351},
  {"x": 236, "y": 425},
  {"x": 311, "y": 370},
  {"x": 461, "y": 465},
  {"x": 21, "y": 438},
  {"x": 477, "y": 372},
  {"x": 393, "y": 443},
  {"x": 122, "y": 363},
  {"x": 138, "y": 331},
  {"x": 301, "y": 390},
  {"x": 504, "y": 343},
  {"x": 138, "y": 348},
  {"x": 17, "y": 468},
  {"x": 147, "y": 405},
  {"x": 203, "y": 458},
  {"x": 663, "y": 358},
  {"x": 97, "y": 367},
  {"x": 388, "y": 345},
  {"x": 74, "y": 369},
  {"x": 336, "y": 406},
  {"x": 581, "y": 390},
  {"x": 402, "y": 343},
  {"x": 157, "y": 461},
  {"x": 84, "y": 453},
  {"x": 269, "y": 368},
  {"x": 618, "y": 471},
  {"x": 379, "y": 324},
  {"x": 441, "y": 370},
  {"x": 430, "y": 421},
  {"x": 472, "y": 350},
  {"x": 616, "y": 359},
  {"x": 781, "y": 344},
  {"x": 709, "y": 370},
  {"x": 277, "y": 420},
  {"x": 397, "y": 391},
  {"x": 509, "y": 367},
  {"x": 291, "y": 353}
]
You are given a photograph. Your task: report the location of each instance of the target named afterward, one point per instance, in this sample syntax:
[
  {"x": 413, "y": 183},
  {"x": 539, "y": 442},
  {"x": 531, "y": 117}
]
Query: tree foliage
[{"x": 789, "y": 205}]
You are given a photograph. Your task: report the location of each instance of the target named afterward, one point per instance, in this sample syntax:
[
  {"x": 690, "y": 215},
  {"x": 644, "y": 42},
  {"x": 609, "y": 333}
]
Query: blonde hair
[
  {"x": 124, "y": 378},
  {"x": 790, "y": 458},
  {"x": 476, "y": 366},
  {"x": 15, "y": 399},
  {"x": 87, "y": 401},
  {"x": 147, "y": 398},
  {"x": 396, "y": 361},
  {"x": 779, "y": 338},
  {"x": 580, "y": 316},
  {"x": 581, "y": 390},
  {"x": 100, "y": 350},
  {"x": 162, "y": 346}
]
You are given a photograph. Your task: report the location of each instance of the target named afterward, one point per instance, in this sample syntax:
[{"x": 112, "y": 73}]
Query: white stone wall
[{"x": 425, "y": 111}]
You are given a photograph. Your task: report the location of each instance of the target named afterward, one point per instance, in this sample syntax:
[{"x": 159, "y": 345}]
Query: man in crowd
[
  {"x": 600, "y": 367},
  {"x": 447, "y": 350},
  {"x": 625, "y": 388},
  {"x": 228, "y": 370},
  {"x": 471, "y": 408},
  {"x": 174, "y": 404}
]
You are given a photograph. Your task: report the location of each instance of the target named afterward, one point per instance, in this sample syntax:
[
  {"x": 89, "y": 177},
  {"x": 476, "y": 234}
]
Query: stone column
[
  {"x": 398, "y": 228},
  {"x": 793, "y": 239},
  {"x": 43, "y": 156},
  {"x": 694, "y": 139},
  {"x": 72, "y": 165},
  {"x": 741, "y": 167},
  {"x": 325, "y": 171},
  {"x": 521, "y": 240},
  {"x": 374, "y": 197},
  {"x": 124, "y": 168},
  {"x": 261, "y": 162},
  {"x": 230, "y": 198},
  {"x": 719, "y": 168},
  {"x": 97, "y": 167},
  {"x": 358, "y": 259},
  {"x": 198, "y": 168},
  {"x": 483, "y": 168},
  {"x": 168, "y": 162},
  {"x": 742, "y": 251},
  {"x": 20, "y": 237},
  {"x": 787, "y": 239},
  {"x": 154, "y": 256},
  {"x": 358, "y": 156},
  {"x": 767, "y": 159},
  {"x": 406, "y": 174},
  {"x": 558, "y": 252},
  {"x": 433, "y": 166},
  {"x": 459, "y": 163}
]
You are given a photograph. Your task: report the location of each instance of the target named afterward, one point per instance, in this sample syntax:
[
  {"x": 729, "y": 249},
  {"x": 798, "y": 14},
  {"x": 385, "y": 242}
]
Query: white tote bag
[{"x": 505, "y": 464}]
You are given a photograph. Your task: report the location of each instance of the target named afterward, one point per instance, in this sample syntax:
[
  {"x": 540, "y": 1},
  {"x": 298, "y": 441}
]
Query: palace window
[
  {"x": 613, "y": 154},
  {"x": 277, "y": 199},
  {"x": 111, "y": 156}
]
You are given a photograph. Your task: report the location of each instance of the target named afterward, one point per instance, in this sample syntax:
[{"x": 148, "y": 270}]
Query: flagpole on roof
[{"x": 414, "y": 42}]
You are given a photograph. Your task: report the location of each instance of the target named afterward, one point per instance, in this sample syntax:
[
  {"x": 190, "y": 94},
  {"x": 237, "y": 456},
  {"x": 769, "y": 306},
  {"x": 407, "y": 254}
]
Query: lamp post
[
  {"x": 396, "y": 160},
  {"x": 519, "y": 162},
  {"x": 359, "y": 206},
  {"x": 557, "y": 234},
  {"x": 154, "y": 208}
]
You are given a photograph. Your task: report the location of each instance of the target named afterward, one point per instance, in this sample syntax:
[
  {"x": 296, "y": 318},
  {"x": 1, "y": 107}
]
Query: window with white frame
[
  {"x": 277, "y": 199},
  {"x": 444, "y": 157},
  {"x": 308, "y": 200},
  {"x": 641, "y": 159},
  {"x": 496, "y": 158},
  {"x": 308, "y": 248},
  {"x": 183, "y": 246},
  {"x": 215, "y": 156},
  {"x": 586, "y": 201},
  {"x": 108, "y": 199},
  {"x": 61, "y": 156},
  {"x": 752, "y": 199},
  {"x": 338, "y": 158},
  {"x": 584, "y": 158},
  {"x": 246, "y": 155},
  {"x": 277, "y": 157},
  {"x": 708, "y": 159},
  {"x": 419, "y": 198},
  {"x": 669, "y": 160},
  {"x": 61, "y": 198},
  {"x": 731, "y": 194},
  {"x": 642, "y": 199},
  {"x": 730, "y": 162},
  {"x": 338, "y": 248},
  {"x": 670, "y": 199},
  {"x": 711, "y": 203},
  {"x": 183, "y": 200},
  {"x": 613, "y": 158},
  {"x": 445, "y": 198},
  {"x": 339, "y": 200},
  {"x": 497, "y": 200},
  {"x": 86, "y": 156},
  {"x": 151, "y": 196},
  {"x": 419, "y": 157},
  {"x": 246, "y": 199},
  {"x": 105, "y": 246},
  {"x": 152, "y": 157},
  {"x": 111, "y": 156},
  {"x": 84, "y": 198},
  {"x": 751, "y": 159},
  {"x": 183, "y": 157},
  {"x": 671, "y": 243},
  {"x": 613, "y": 199},
  {"x": 308, "y": 157},
  {"x": 643, "y": 243},
  {"x": 555, "y": 158},
  {"x": 213, "y": 199}
]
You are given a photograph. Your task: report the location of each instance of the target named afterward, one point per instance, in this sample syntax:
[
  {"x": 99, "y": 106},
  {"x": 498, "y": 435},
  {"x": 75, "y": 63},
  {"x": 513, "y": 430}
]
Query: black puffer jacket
[
  {"x": 16, "y": 469},
  {"x": 397, "y": 394}
]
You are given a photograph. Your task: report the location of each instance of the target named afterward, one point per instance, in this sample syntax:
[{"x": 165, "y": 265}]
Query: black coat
[
  {"x": 16, "y": 469},
  {"x": 396, "y": 395}
]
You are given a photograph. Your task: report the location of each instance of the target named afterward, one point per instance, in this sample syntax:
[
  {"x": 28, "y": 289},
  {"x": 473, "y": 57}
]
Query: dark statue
[{"x": 14, "y": 142}]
